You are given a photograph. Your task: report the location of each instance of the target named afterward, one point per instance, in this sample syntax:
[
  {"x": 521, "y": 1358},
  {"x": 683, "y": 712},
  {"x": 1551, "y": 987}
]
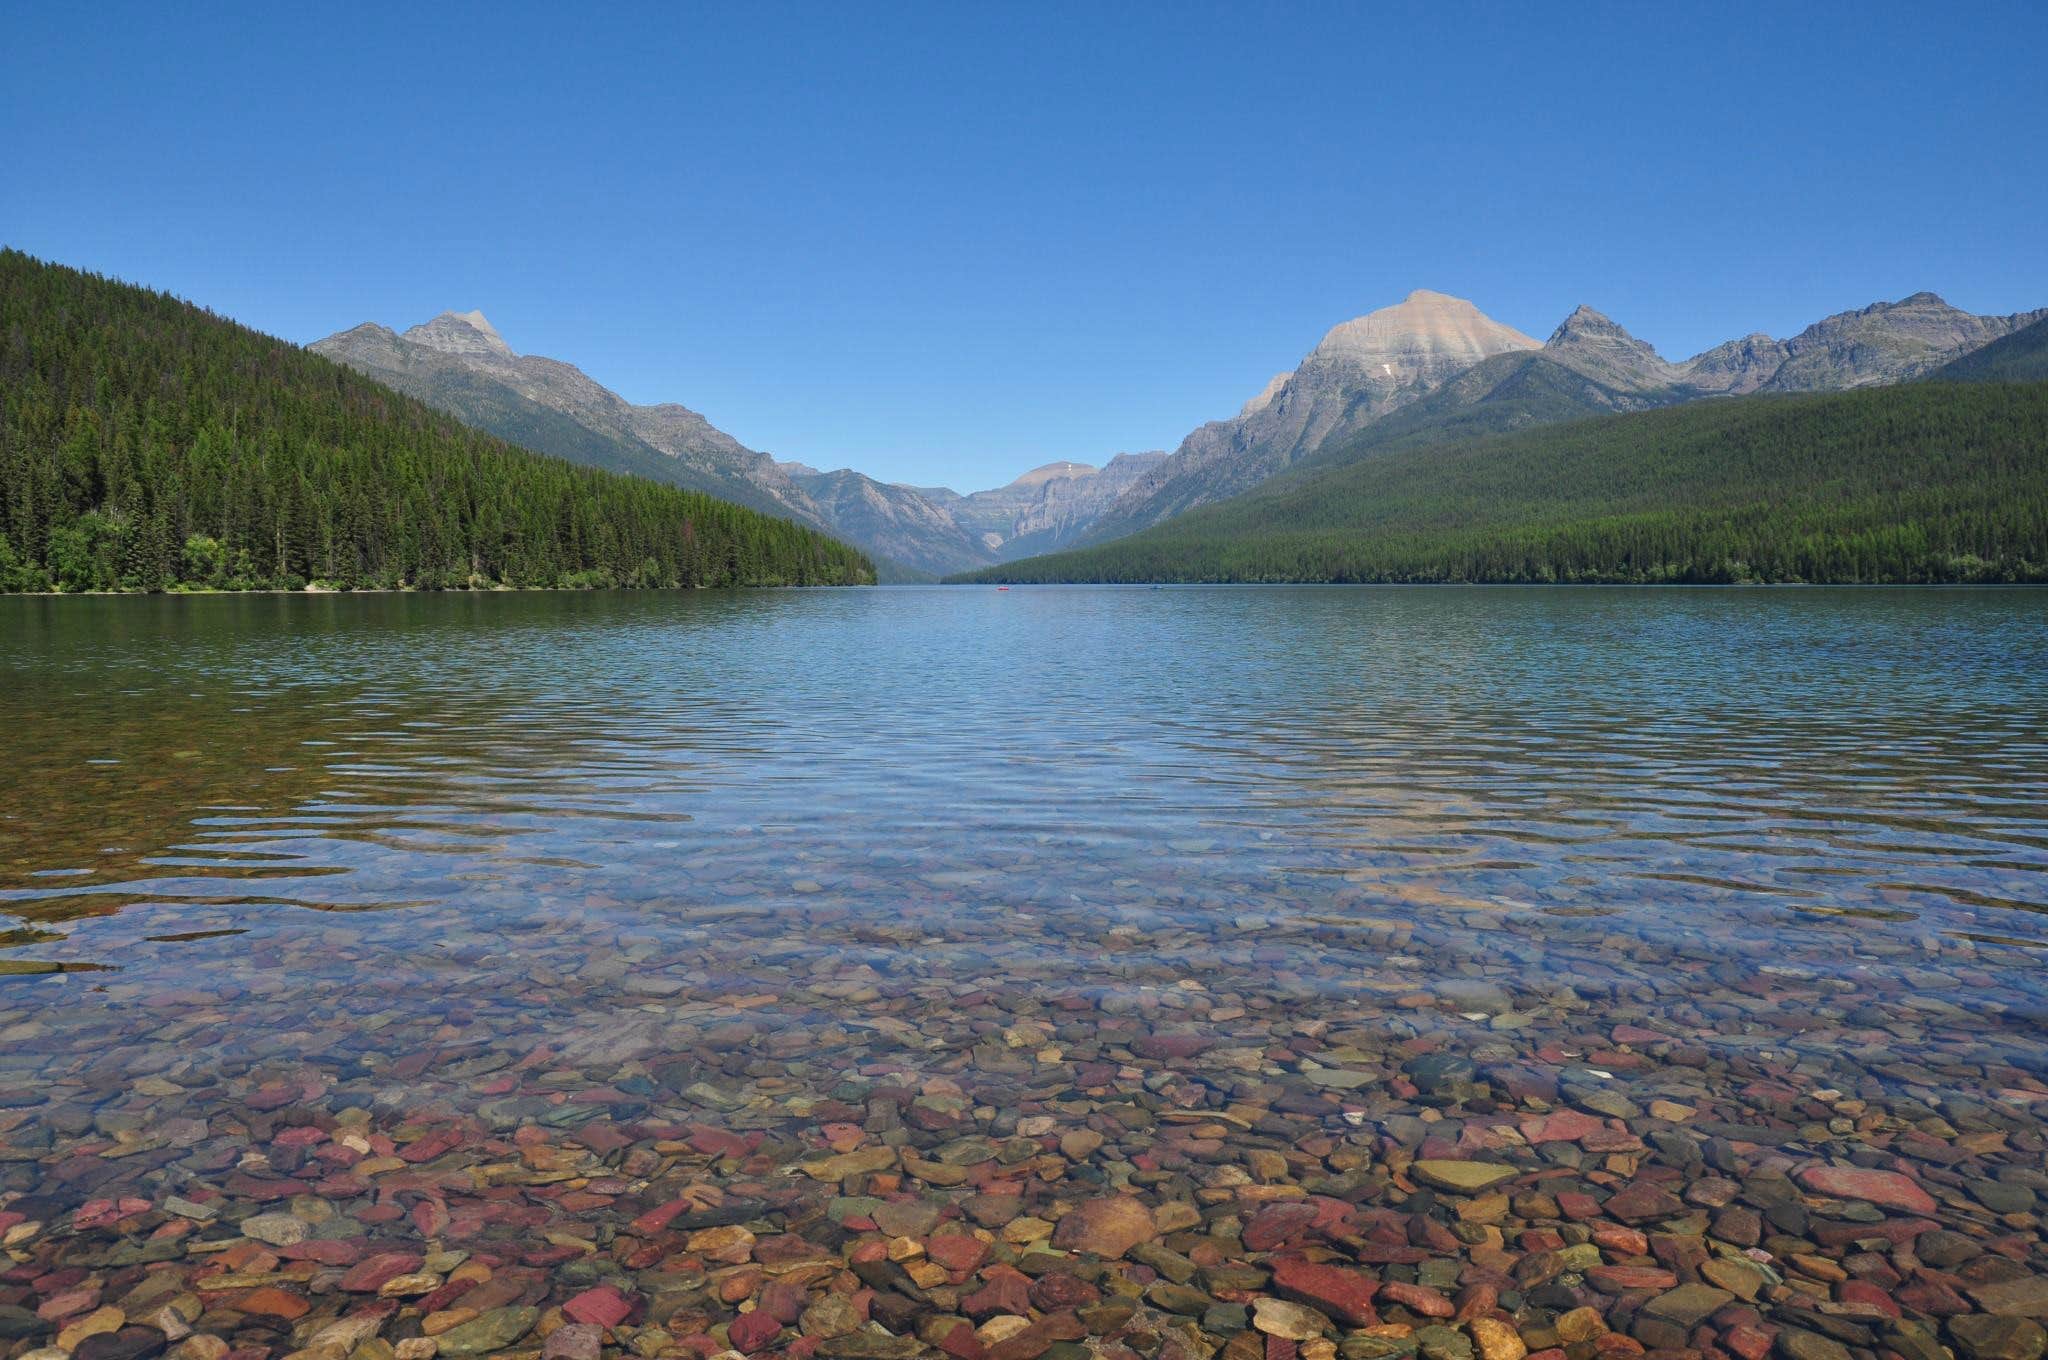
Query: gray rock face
[
  {"x": 1048, "y": 507},
  {"x": 1359, "y": 372},
  {"x": 1736, "y": 367},
  {"x": 1589, "y": 343},
  {"x": 1886, "y": 342},
  {"x": 459, "y": 363},
  {"x": 1434, "y": 368}
]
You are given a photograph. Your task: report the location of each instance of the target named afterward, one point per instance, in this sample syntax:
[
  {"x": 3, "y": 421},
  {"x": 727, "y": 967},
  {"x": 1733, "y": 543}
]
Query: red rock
[
  {"x": 1621, "y": 1279},
  {"x": 958, "y": 1252},
  {"x": 654, "y": 1220},
  {"x": 1417, "y": 1299},
  {"x": 372, "y": 1274},
  {"x": 1868, "y": 1295},
  {"x": 1171, "y": 1045},
  {"x": 1007, "y": 1291},
  {"x": 271, "y": 1301},
  {"x": 1642, "y": 1202},
  {"x": 431, "y": 1146},
  {"x": 601, "y": 1307},
  {"x": 961, "y": 1343},
  {"x": 718, "y": 1142},
  {"x": 1626, "y": 1241},
  {"x": 781, "y": 1300},
  {"x": 751, "y": 1332},
  {"x": 1565, "y": 1126},
  {"x": 1276, "y": 1225},
  {"x": 1343, "y": 1294},
  {"x": 1057, "y": 1290},
  {"x": 1750, "y": 1343},
  {"x": 1886, "y": 1188},
  {"x": 1578, "y": 1206}
]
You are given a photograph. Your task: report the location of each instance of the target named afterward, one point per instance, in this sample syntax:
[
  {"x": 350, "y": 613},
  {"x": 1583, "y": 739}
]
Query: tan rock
[
  {"x": 1107, "y": 1227},
  {"x": 1496, "y": 1340},
  {"x": 1293, "y": 1321}
]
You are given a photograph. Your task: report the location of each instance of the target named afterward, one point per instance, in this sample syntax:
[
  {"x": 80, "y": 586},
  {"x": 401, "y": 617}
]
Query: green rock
[
  {"x": 1795, "y": 1344},
  {"x": 871, "y": 1346},
  {"x": 1982, "y": 1337},
  {"x": 1464, "y": 1178},
  {"x": 1690, "y": 1304},
  {"x": 492, "y": 1331}
]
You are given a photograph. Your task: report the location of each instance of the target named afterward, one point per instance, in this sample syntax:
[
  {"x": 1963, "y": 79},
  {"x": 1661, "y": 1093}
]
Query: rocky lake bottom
[{"x": 1256, "y": 974}]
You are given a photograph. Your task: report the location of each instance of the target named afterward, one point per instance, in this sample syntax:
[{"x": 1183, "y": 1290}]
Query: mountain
[
  {"x": 896, "y": 522},
  {"x": 2020, "y": 356},
  {"x": 1049, "y": 507},
  {"x": 265, "y": 467},
  {"x": 1359, "y": 372},
  {"x": 1473, "y": 376},
  {"x": 1917, "y": 482},
  {"x": 1592, "y": 344},
  {"x": 459, "y": 363},
  {"x": 1886, "y": 342}
]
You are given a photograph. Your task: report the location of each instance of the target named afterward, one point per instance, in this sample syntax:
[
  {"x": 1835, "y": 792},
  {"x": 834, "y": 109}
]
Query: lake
[{"x": 668, "y": 953}]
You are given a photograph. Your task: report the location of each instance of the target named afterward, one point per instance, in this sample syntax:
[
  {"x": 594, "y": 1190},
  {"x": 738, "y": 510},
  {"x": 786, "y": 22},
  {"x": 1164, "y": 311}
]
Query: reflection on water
[
  {"x": 950, "y": 782},
  {"x": 1686, "y": 762}
]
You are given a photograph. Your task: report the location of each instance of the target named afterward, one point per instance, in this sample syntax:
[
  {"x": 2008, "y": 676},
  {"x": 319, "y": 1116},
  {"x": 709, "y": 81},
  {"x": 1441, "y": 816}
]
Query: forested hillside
[
  {"x": 1925, "y": 482},
  {"x": 147, "y": 444},
  {"x": 2019, "y": 357}
]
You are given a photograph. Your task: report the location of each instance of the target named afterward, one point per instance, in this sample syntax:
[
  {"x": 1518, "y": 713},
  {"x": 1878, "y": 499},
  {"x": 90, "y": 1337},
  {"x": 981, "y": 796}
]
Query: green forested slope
[
  {"x": 146, "y": 444},
  {"x": 2019, "y": 357},
  {"x": 1921, "y": 482}
]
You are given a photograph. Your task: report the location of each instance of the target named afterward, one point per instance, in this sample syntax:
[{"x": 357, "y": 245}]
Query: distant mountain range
[
  {"x": 1427, "y": 370},
  {"x": 1944, "y": 480},
  {"x": 459, "y": 363},
  {"x": 1433, "y": 368}
]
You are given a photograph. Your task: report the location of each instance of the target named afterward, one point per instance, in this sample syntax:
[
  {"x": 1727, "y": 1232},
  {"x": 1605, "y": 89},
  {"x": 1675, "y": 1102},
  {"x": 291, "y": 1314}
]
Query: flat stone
[
  {"x": 1107, "y": 1227},
  {"x": 128, "y": 1343},
  {"x": 866, "y": 1345},
  {"x": 600, "y": 1307},
  {"x": 1796, "y": 1343},
  {"x": 1886, "y": 1188},
  {"x": 854, "y": 1163},
  {"x": 1689, "y": 1304},
  {"x": 1981, "y": 1337},
  {"x": 2026, "y": 1297},
  {"x": 495, "y": 1330},
  {"x": 1343, "y": 1294},
  {"x": 277, "y": 1230},
  {"x": 1278, "y": 1317},
  {"x": 575, "y": 1341},
  {"x": 1462, "y": 1177}
]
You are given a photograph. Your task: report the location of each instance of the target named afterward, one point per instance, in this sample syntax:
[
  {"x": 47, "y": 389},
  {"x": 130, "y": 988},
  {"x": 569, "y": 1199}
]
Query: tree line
[
  {"x": 1919, "y": 483},
  {"x": 147, "y": 444}
]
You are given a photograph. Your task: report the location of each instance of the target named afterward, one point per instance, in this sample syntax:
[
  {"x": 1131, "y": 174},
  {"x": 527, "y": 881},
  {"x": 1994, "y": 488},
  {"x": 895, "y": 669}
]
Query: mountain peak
[
  {"x": 1266, "y": 395},
  {"x": 1054, "y": 471},
  {"x": 1593, "y": 344},
  {"x": 1424, "y": 332},
  {"x": 465, "y": 333},
  {"x": 1584, "y": 322}
]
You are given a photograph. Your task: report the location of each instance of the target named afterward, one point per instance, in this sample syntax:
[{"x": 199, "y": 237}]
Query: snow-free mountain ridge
[{"x": 1427, "y": 369}]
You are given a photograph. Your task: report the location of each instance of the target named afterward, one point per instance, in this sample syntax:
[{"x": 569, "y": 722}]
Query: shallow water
[{"x": 723, "y": 857}]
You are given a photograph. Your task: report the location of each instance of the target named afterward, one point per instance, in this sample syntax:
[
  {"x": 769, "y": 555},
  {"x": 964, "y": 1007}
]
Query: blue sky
[{"x": 947, "y": 243}]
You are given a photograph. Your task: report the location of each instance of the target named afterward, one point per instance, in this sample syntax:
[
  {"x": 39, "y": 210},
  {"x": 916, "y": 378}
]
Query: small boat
[{"x": 1002, "y": 587}]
